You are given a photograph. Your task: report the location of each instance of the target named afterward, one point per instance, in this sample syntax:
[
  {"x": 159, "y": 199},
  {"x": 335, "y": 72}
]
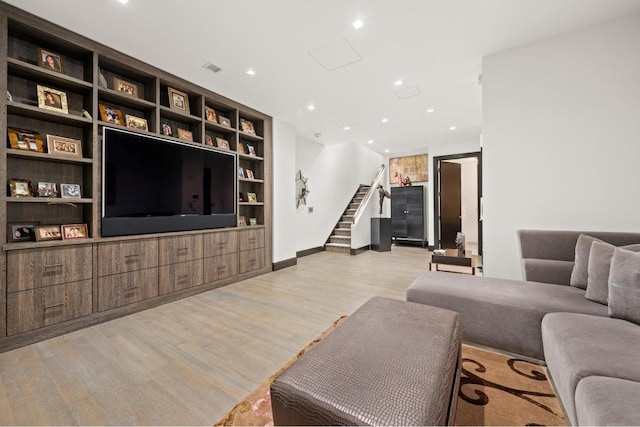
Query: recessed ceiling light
[
  {"x": 311, "y": 107},
  {"x": 357, "y": 24},
  {"x": 370, "y": 141},
  {"x": 452, "y": 128},
  {"x": 347, "y": 128},
  {"x": 386, "y": 151},
  {"x": 251, "y": 72},
  {"x": 124, "y": 1},
  {"x": 430, "y": 110},
  {"x": 385, "y": 120},
  {"x": 398, "y": 83}
]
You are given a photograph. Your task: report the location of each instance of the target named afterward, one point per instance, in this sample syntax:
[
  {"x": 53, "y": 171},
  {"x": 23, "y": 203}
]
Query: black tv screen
[{"x": 152, "y": 185}]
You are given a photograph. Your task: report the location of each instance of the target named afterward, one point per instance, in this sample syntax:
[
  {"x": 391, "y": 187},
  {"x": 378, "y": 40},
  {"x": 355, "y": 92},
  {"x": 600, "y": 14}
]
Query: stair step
[
  {"x": 345, "y": 224},
  {"x": 338, "y": 248},
  {"x": 351, "y": 211},
  {"x": 346, "y": 240},
  {"x": 342, "y": 232}
]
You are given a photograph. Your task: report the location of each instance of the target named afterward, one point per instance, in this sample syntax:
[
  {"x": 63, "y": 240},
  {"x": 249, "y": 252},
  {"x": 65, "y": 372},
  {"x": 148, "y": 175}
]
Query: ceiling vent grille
[{"x": 212, "y": 67}]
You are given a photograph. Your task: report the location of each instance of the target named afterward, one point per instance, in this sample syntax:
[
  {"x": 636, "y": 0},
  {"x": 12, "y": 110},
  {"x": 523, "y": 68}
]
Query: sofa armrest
[
  {"x": 548, "y": 244},
  {"x": 547, "y": 271}
]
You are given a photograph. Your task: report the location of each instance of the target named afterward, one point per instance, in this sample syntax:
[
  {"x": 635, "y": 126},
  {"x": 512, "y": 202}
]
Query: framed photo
[
  {"x": 208, "y": 140},
  {"x": 252, "y": 198},
  {"x": 61, "y": 146},
  {"x": 70, "y": 191},
  {"x": 247, "y": 127},
  {"x": 21, "y": 232},
  {"x": 74, "y": 231},
  {"x": 240, "y": 172},
  {"x": 253, "y": 221},
  {"x": 48, "y": 232},
  {"x": 20, "y": 187},
  {"x": 224, "y": 121},
  {"x": 242, "y": 221},
  {"x": 178, "y": 100},
  {"x": 252, "y": 150},
  {"x": 50, "y": 60},
  {"x": 250, "y": 174},
  {"x": 47, "y": 189},
  {"x": 125, "y": 87},
  {"x": 111, "y": 114},
  {"x": 187, "y": 135},
  {"x": 52, "y": 99},
  {"x": 25, "y": 140},
  {"x": 241, "y": 148},
  {"x": 136, "y": 123},
  {"x": 222, "y": 143},
  {"x": 167, "y": 130},
  {"x": 210, "y": 114}
]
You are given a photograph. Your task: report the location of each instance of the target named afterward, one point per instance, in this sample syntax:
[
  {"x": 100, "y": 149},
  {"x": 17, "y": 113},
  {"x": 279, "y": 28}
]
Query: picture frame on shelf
[
  {"x": 50, "y": 60},
  {"x": 63, "y": 146},
  {"x": 252, "y": 198},
  {"x": 20, "y": 187},
  {"x": 242, "y": 221},
  {"x": 27, "y": 140},
  {"x": 167, "y": 130},
  {"x": 247, "y": 127},
  {"x": 241, "y": 148},
  {"x": 137, "y": 123},
  {"x": 250, "y": 174},
  {"x": 222, "y": 143},
  {"x": 74, "y": 231},
  {"x": 47, "y": 189},
  {"x": 224, "y": 121},
  {"x": 240, "y": 172},
  {"x": 47, "y": 232},
  {"x": 185, "y": 134},
  {"x": 21, "y": 232},
  {"x": 210, "y": 115},
  {"x": 52, "y": 99},
  {"x": 208, "y": 140},
  {"x": 70, "y": 191},
  {"x": 253, "y": 221},
  {"x": 178, "y": 100},
  {"x": 251, "y": 149},
  {"x": 128, "y": 88},
  {"x": 111, "y": 114}
]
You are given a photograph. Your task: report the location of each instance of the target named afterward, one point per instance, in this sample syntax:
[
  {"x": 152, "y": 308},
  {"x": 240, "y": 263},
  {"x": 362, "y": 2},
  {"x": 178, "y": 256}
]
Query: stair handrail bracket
[{"x": 367, "y": 197}]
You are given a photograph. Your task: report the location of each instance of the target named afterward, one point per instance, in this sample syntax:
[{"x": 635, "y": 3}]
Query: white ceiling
[{"x": 434, "y": 46}]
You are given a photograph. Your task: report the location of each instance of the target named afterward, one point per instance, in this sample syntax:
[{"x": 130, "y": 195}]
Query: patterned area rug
[{"x": 494, "y": 390}]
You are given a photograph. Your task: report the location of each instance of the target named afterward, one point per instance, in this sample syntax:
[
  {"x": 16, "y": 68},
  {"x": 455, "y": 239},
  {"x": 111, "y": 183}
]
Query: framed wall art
[{"x": 415, "y": 167}]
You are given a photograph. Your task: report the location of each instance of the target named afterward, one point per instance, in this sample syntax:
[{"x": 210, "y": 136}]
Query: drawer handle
[
  {"x": 252, "y": 261},
  {"x": 183, "y": 278},
  {"x": 252, "y": 239},
  {"x": 60, "y": 304},
  {"x": 182, "y": 251},
  {"x": 131, "y": 258},
  {"x": 222, "y": 244},
  {"x": 54, "y": 266},
  {"x": 130, "y": 288},
  {"x": 224, "y": 267}
]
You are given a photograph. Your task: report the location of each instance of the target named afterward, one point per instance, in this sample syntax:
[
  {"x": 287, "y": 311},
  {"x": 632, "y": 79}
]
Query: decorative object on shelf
[
  {"x": 241, "y": 197},
  {"x": 21, "y": 232},
  {"x": 253, "y": 221},
  {"x": 25, "y": 140},
  {"x": 9, "y": 97},
  {"x": 210, "y": 114},
  {"x": 208, "y": 140},
  {"x": 242, "y": 221},
  {"x": 52, "y": 99},
  {"x": 74, "y": 231},
  {"x": 86, "y": 114},
  {"x": 406, "y": 182},
  {"x": 382, "y": 193},
  {"x": 62, "y": 146},
  {"x": 70, "y": 191},
  {"x": 301, "y": 189},
  {"x": 247, "y": 127},
  {"x": 252, "y": 150},
  {"x": 252, "y": 198},
  {"x": 224, "y": 121},
  {"x": 241, "y": 148},
  {"x": 414, "y": 166},
  {"x": 250, "y": 174},
  {"x": 136, "y": 122},
  {"x": 48, "y": 232},
  {"x": 128, "y": 88},
  {"x": 461, "y": 243},
  {"x": 20, "y": 187},
  {"x": 111, "y": 114},
  {"x": 47, "y": 189},
  {"x": 178, "y": 100},
  {"x": 222, "y": 143},
  {"x": 102, "y": 82},
  {"x": 50, "y": 61},
  {"x": 185, "y": 134},
  {"x": 240, "y": 172},
  {"x": 166, "y": 129}
]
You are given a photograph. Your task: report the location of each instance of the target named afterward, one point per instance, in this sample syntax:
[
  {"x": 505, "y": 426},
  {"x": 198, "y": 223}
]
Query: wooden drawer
[
  {"x": 175, "y": 277},
  {"x": 126, "y": 288},
  {"x": 119, "y": 257},
  {"x": 220, "y": 267},
  {"x": 36, "y": 268},
  {"x": 251, "y": 260},
  {"x": 36, "y": 308},
  {"x": 225, "y": 242},
  {"x": 179, "y": 249},
  {"x": 251, "y": 239}
]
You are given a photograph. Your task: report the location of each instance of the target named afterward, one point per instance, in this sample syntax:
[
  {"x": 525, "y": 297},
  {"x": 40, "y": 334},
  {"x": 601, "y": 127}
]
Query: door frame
[{"x": 436, "y": 194}]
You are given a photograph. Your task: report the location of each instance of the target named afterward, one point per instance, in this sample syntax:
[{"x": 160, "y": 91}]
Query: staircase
[{"x": 340, "y": 240}]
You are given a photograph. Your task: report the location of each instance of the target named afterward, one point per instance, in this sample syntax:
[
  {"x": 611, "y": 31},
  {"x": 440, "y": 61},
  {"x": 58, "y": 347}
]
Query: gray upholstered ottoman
[{"x": 390, "y": 363}]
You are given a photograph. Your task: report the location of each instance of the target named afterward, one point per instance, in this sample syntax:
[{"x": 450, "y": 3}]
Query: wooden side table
[{"x": 453, "y": 263}]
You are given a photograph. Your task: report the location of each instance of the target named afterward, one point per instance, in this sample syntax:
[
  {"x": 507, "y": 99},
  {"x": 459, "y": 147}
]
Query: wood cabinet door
[
  {"x": 220, "y": 267},
  {"x": 224, "y": 242},
  {"x": 183, "y": 275},
  {"x": 398, "y": 212},
  {"x": 251, "y": 239},
  {"x": 251, "y": 260},
  {"x": 179, "y": 249},
  {"x": 121, "y": 289},
  {"x": 119, "y": 257}
]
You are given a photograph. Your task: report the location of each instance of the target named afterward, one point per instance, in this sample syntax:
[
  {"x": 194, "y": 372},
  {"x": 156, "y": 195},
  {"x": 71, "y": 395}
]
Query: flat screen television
[{"x": 153, "y": 185}]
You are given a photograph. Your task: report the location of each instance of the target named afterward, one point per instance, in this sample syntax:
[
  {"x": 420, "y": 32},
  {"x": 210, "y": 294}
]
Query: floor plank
[{"x": 190, "y": 361}]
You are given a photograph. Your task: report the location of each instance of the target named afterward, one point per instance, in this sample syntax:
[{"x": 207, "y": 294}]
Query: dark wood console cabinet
[{"x": 408, "y": 213}]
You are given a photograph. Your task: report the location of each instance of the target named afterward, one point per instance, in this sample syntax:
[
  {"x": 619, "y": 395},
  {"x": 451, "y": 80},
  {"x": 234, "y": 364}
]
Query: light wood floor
[{"x": 191, "y": 361}]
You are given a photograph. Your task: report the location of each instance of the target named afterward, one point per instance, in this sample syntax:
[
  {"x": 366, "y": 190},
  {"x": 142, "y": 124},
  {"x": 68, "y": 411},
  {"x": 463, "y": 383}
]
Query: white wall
[
  {"x": 284, "y": 189},
  {"x": 334, "y": 173},
  {"x": 561, "y": 138}
]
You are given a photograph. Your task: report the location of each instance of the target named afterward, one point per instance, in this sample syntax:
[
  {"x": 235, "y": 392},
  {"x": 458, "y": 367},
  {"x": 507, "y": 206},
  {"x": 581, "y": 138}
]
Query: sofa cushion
[
  {"x": 500, "y": 313},
  {"x": 580, "y": 273},
  {"x": 599, "y": 267},
  {"x": 577, "y": 346},
  {"x": 624, "y": 285},
  {"x": 603, "y": 401}
]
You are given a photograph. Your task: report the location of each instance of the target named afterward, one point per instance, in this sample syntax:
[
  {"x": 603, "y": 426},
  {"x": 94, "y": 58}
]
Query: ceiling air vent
[{"x": 211, "y": 67}]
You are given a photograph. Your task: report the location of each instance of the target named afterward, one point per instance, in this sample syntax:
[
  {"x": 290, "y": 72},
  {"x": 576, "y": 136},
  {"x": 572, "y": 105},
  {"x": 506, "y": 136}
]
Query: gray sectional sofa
[{"x": 593, "y": 359}]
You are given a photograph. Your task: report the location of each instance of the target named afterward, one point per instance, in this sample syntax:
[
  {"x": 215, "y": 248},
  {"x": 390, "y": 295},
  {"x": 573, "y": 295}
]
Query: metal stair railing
[{"x": 367, "y": 197}]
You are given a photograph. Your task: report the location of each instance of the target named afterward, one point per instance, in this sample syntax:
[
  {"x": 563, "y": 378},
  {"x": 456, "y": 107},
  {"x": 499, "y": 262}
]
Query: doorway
[{"x": 457, "y": 199}]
